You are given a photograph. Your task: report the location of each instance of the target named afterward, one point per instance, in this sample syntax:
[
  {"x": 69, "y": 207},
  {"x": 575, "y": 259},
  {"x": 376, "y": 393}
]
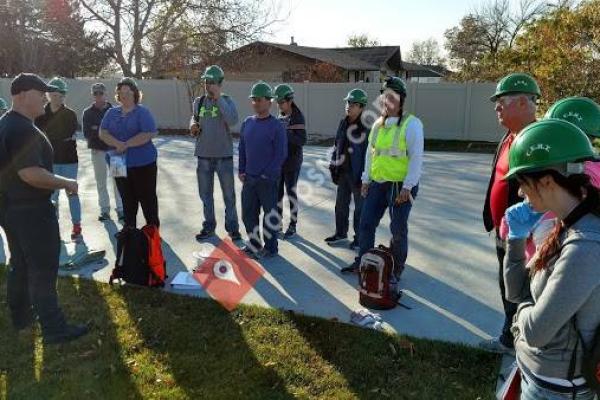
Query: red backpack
[
  {"x": 139, "y": 257},
  {"x": 377, "y": 279},
  {"x": 156, "y": 262}
]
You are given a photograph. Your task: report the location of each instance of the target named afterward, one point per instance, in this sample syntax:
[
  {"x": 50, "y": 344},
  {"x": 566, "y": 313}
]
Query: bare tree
[
  {"x": 490, "y": 28},
  {"x": 426, "y": 52},
  {"x": 142, "y": 34},
  {"x": 362, "y": 40},
  {"x": 502, "y": 24}
]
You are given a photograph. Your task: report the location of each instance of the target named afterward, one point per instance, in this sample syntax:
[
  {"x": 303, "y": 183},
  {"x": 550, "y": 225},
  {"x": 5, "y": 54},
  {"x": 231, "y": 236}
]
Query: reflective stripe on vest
[{"x": 388, "y": 146}]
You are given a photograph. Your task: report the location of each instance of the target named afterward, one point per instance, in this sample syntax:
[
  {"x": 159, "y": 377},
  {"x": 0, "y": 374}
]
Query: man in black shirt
[{"x": 28, "y": 216}]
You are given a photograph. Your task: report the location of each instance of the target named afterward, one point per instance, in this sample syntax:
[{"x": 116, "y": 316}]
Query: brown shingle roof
[
  {"x": 376, "y": 55},
  {"x": 330, "y": 56}
]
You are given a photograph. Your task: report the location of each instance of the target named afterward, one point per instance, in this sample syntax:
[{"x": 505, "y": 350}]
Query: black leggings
[{"x": 139, "y": 188}]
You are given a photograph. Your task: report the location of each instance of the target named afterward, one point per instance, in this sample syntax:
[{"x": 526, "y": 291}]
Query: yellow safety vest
[{"x": 389, "y": 161}]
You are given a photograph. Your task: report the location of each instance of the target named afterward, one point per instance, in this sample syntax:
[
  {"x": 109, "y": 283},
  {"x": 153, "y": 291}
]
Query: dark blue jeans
[
  {"x": 288, "y": 181},
  {"x": 34, "y": 243},
  {"x": 380, "y": 198},
  {"x": 346, "y": 191},
  {"x": 258, "y": 193},
  {"x": 205, "y": 172}
]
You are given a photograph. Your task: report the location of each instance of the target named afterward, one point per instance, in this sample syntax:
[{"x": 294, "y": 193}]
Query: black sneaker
[
  {"x": 264, "y": 253},
  {"x": 351, "y": 269},
  {"x": 235, "y": 236},
  {"x": 291, "y": 232},
  {"x": 335, "y": 239},
  {"x": 252, "y": 252},
  {"x": 67, "y": 334},
  {"x": 204, "y": 234},
  {"x": 354, "y": 244},
  {"x": 104, "y": 217}
]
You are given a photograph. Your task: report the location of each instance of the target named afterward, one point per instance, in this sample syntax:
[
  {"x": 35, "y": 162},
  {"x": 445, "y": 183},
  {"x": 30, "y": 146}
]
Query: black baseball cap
[{"x": 25, "y": 82}]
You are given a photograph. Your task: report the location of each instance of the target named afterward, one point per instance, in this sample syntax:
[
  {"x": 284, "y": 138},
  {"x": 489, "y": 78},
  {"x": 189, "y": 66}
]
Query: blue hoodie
[{"x": 263, "y": 147}]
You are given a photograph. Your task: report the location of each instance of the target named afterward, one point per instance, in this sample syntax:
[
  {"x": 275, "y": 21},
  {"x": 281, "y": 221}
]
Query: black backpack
[
  {"x": 133, "y": 260},
  {"x": 590, "y": 363}
]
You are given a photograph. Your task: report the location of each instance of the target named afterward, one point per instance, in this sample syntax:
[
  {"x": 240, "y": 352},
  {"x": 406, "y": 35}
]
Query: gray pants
[{"x": 101, "y": 174}]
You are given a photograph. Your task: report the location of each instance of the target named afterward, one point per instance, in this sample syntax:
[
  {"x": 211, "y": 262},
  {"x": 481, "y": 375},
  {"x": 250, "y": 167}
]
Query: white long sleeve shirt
[{"x": 415, "y": 147}]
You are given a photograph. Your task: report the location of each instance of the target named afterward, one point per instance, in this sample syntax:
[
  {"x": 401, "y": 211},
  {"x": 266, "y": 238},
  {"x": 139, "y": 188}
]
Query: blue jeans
[
  {"x": 205, "y": 173},
  {"x": 289, "y": 181},
  {"x": 380, "y": 198},
  {"x": 260, "y": 193},
  {"x": 531, "y": 391},
  {"x": 346, "y": 190},
  {"x": 68, "y": 171}
]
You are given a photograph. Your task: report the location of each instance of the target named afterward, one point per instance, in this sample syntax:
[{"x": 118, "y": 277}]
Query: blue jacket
[{"x": 355, "y": 137}]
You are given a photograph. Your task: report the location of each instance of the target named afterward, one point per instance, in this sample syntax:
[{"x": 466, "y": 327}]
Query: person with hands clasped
[
  {"x": 393, "y": 164},
  {"x": 129, "y": 128},
  {"x": 263, "y": 150}
]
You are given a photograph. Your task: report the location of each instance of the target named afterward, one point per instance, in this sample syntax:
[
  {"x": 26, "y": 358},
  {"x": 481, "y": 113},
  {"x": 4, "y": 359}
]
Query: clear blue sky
[{"x": 328, "y": 23}]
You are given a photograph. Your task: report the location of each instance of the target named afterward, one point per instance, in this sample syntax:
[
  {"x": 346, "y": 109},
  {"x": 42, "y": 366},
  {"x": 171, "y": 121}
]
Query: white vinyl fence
[{"x": 449, "y": 111}]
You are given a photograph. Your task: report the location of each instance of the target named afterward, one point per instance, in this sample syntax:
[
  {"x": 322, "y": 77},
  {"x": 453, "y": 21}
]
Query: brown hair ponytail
[{"x": 578, "y": 186}]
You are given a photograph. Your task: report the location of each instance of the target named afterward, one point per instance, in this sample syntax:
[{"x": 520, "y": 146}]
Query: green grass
[{"x": 151, "y": 344}]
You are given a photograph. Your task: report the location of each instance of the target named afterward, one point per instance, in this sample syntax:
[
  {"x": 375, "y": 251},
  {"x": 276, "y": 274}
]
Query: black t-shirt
[
  {"x": 22, "y": 145},
  {"x": 60, "y": 128}
]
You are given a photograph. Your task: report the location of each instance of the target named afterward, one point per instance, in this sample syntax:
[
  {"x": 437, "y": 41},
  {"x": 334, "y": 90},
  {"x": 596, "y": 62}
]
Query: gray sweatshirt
[
  {"x": 543, "y": 326},
  {"x": 216, "y": 120}
]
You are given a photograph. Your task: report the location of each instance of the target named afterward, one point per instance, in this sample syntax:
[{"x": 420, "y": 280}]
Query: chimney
[{"x": 293, "y": 43}]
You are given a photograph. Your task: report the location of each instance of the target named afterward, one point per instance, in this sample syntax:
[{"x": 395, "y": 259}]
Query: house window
[{"x": 359, "y": 76}]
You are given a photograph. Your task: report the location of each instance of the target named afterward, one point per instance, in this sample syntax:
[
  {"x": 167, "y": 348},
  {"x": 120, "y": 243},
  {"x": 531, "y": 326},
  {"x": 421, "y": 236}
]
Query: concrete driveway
[{"x": 450, "y": 282}]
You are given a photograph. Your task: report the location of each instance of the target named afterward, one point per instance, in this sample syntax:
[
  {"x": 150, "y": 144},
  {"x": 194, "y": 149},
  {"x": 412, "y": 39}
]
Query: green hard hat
[
  {"x": 581, "y": 111},
  {"x": 261, "y": 89},
  {"x": 396, "y": 84},
  {"x": 60, "y": 84},
  {"x": 516, "y": 83},
  {"x": 213, "y": 73},
  {"x": 548, "y": 143},
  {"x": 3, "y": 104},
  {"x": 283, "y": 92},
  {"x": 357, "y": 96}
]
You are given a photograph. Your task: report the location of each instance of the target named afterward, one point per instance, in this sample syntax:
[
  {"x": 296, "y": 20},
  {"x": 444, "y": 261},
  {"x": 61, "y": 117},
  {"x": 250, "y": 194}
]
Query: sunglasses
[
  {"x": 98, "y": 93},
  {"x": 209, "y": 82}
]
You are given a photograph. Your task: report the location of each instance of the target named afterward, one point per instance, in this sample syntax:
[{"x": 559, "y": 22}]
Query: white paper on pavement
[{"x": 185, "y": 280}]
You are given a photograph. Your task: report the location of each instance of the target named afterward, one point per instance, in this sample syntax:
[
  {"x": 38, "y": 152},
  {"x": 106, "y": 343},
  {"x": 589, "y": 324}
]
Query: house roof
[
  {"x": 330, "y": 56},
  {"x": 376, "y": 55},
  {"x": 373, "y": 58},
  {"x": 419, "y": 70}
]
